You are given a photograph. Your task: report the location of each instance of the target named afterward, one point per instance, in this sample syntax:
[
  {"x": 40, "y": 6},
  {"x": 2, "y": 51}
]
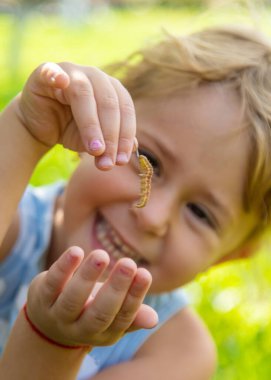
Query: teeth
[
  {"x": 127, "y": 250},
  {"x": 116, "y": 239},
  {"x": 115, "y": 254},
  {"x": 112, "y": 243},
  {"x": 101, "y": 233},
  {"x": 109, "y": 246}
]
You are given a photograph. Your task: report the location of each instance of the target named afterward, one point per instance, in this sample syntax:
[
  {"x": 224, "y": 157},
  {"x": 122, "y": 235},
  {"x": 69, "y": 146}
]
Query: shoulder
[{"x": 182, "y": 345}]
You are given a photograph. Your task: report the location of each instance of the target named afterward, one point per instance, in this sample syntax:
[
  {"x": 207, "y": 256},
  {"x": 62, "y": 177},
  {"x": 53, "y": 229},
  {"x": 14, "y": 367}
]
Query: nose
[{"x": 155, "y": 218}]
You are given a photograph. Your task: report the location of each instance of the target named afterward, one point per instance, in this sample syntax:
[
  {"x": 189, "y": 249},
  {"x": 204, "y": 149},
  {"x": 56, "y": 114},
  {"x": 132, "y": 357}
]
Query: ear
[{"x": 244, "y": 252}]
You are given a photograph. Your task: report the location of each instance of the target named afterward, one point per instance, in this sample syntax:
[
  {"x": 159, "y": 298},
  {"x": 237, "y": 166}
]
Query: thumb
[
  {"x": 48, "y": 80},
  {"x": 53, "y": 75}
]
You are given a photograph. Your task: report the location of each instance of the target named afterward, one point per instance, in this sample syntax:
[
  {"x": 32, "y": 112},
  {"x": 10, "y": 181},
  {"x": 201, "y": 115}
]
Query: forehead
[
  {"x": 204, "y": 107},
  {"x": 210, "y": 113}
]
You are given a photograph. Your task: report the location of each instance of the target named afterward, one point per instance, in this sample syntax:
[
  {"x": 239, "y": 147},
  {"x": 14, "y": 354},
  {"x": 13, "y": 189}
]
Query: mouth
[{"x": 113, "y": 243}]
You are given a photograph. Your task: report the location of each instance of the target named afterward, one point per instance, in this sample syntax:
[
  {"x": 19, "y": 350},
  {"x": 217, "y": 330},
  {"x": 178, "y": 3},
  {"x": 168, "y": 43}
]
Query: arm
[
  {"x": 181, "y": 350},
  {"x": 19, "y": 154}
]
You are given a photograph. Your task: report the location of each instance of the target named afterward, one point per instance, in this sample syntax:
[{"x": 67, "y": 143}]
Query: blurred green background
[{"x": 233, "y": 299}]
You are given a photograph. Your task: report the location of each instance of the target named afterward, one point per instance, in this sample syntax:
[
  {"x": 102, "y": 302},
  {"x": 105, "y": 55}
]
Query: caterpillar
[{"x": 145, "y": 174}]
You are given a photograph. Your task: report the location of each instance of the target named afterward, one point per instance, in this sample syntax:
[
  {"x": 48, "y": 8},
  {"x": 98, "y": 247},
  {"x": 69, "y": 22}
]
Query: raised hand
[
  {"x": 81, "y": 108},
  {"x": 69, "y": 306}
]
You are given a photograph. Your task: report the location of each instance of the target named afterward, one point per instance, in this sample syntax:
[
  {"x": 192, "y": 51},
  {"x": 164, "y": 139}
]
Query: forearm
[
  {"x": 29, "y": 356},
  {"x": 19, "y": 154}
]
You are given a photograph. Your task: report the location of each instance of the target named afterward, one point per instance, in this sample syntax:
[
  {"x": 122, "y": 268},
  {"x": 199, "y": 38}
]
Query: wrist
[
  {"x": 35, "y": 357},
  {"x": 16, "y": 136},
  {"x": 36, "y": 145},
  {"x": 51, "y": 341}
]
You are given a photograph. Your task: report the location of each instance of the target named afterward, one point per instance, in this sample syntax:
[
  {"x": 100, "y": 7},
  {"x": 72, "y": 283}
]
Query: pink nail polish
[
  {"x": 105, "y": 162},
  {"x": 126, "y": 271},
  {"x": 95, "y": 145},
  {"x": 122, "y": 158}
]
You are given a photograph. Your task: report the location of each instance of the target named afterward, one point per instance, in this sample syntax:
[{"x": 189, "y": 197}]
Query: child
[{"x": 202, "y": 105}]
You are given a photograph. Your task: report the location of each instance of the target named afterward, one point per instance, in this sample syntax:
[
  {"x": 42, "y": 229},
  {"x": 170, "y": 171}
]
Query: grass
[{"x": 233, "y": 299}]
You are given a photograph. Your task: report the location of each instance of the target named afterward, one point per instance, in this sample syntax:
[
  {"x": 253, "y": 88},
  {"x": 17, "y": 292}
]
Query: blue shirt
[{"x": 26, "y": 260}]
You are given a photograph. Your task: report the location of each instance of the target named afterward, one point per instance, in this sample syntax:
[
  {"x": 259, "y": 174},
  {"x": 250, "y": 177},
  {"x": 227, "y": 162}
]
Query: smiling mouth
[{"x": 112, "y": 242}]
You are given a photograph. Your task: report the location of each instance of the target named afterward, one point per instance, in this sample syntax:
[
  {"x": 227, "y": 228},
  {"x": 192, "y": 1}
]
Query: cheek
[
  {"x": 192, "y": 254},
  {"x": 91, "y": 185}
]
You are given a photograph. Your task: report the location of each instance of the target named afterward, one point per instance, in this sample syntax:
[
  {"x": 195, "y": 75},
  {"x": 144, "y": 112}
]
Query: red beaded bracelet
[{"x": 49, "y": 340}]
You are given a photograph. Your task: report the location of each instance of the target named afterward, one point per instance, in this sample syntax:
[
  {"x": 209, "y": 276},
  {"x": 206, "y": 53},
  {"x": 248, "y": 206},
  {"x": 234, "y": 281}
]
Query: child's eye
[
  {"x": 153, "y": 161},
  {"x": 201, "y": 214}
]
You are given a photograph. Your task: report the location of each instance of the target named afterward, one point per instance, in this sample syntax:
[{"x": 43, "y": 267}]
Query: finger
[
  {"x": 132, "y": 302},
  {"x": 53, "y": 75},
  {"x": 60, "y": 273},
  {"x": 109, "y": 299},
  {"x": 146, "y": 318},
  {"x": 74, "y": 296},
  {"x": 127, "y": 123},
  {"x": 108, "y": 109},
  {"x": 81, "y": 97}
]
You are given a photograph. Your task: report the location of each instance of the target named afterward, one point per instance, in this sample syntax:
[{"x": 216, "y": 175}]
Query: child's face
[{"x": 195, "y": 213}]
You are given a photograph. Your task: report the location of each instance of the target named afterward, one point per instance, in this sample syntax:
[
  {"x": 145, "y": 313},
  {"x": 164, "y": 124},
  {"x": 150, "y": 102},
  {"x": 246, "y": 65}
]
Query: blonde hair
[{"x": 238, "y": 56}]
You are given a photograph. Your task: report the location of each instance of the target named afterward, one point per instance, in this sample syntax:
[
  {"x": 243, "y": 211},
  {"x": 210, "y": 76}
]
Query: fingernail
[
  {"x": 53, "y": 77},
  {"x": 73, "y": 253},
  {"x": 97, "y": 263},
  {"x": 95, "y": 145},
  {"x": 126, "y": 271},
  {"x": 105, "y": 162},
  {"x": 135, "y": 146},
  {"x": 122, "y": 158}
]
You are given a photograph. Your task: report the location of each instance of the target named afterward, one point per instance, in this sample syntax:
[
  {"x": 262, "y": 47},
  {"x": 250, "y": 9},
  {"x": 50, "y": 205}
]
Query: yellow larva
[{"x": 145, "y": 174}]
